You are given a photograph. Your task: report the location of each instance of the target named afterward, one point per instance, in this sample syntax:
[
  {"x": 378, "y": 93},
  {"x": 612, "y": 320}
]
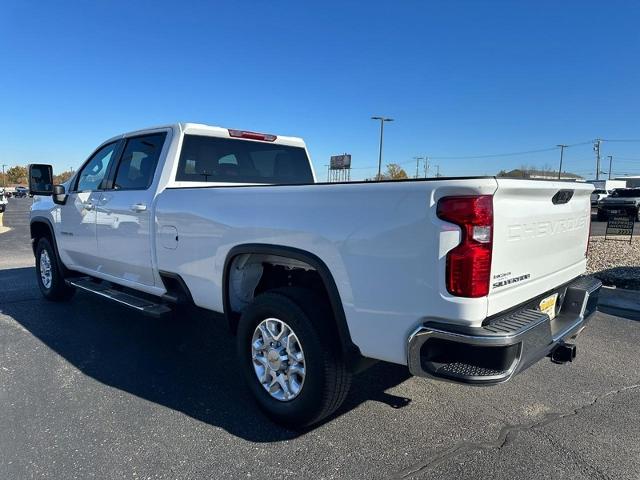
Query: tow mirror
[
  {"x": 40, "y": 179},
  {"x": 41, "y": 183}
]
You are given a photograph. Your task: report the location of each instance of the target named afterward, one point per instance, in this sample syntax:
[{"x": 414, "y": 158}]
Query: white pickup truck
[
  {"x": 469, "y": 280},
  {"x": 3, "y": 201}
]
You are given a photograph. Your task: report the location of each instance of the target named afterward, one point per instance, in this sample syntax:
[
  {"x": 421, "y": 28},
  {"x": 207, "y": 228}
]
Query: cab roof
[{"x": 212, "y": 131}]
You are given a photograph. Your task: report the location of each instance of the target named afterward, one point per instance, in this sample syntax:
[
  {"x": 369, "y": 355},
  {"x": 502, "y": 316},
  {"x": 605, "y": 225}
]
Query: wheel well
[
  {"x": 251, "y": 274},
  {"x": 39, "y": 230},
  {"x": 42, "y": 228},
  {"x": 253, "y": 269}
]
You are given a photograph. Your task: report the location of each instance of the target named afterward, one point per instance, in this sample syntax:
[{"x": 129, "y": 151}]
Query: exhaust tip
[{"x": 563, "y": 353}]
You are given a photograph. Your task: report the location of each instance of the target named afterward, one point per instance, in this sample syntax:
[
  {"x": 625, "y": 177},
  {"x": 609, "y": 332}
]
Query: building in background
[{"x": 633, "y": 181}]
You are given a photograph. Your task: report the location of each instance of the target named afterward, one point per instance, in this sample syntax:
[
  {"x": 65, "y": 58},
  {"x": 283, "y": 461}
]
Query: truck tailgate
[{"x": 540, "y": 237}]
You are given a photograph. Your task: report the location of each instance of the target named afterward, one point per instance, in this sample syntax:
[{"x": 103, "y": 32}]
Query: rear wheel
[
  {"x": 291, "y": 357},
  {"x": 50, "y": 278}
]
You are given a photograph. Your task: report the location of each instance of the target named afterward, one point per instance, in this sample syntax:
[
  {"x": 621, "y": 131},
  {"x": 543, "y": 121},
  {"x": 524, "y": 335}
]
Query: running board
[{"x": 103, "y": 289}]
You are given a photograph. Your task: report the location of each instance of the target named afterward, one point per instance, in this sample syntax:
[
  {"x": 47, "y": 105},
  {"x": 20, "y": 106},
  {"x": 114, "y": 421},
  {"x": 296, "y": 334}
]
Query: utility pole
[
  {"x": 382, "y": 120},
  {"x": 4, "y": 177},
  {"x": 596, "y": 148},
  {"x": 437, "y": 170},
  {"x": 610, "y": 157},
  {"x": 426, "y": 166},
  {"x": 562, "y": 147},
  {"x": 417, "y": 159}
]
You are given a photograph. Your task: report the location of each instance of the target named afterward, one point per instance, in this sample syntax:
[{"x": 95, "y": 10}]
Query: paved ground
[{"x": 89, "y": 390}]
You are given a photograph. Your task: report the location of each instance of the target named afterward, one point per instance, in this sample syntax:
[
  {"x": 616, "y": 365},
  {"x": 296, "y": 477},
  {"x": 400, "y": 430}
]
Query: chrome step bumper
[{"x": 506, "y": 344}]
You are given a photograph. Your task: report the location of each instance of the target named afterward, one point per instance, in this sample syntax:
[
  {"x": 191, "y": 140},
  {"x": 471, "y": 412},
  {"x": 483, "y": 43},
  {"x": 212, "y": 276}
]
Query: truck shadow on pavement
[{"x": 185, "y": 362}]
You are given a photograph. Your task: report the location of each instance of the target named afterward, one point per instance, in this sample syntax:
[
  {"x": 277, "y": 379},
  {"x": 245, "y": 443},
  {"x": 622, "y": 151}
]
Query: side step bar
[{"x": 104, "y": 289}]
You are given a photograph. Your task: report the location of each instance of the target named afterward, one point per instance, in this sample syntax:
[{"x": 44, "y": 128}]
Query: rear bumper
[{"x": 506, "y": 344}]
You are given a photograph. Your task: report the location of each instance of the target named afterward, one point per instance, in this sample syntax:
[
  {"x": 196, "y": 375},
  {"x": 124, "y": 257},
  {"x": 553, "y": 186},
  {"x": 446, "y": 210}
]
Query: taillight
[
  {"x": 265, "y": 137},
  {"x": 469, "y": 264}
]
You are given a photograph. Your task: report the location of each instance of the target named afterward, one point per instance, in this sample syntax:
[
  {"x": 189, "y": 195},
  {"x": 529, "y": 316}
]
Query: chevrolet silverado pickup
[{"x": 467, "y": 280}]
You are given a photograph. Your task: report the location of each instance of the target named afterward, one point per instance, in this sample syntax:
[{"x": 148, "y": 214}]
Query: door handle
[
  {"x": 138, "y": 207},
  {"x": 88, "y": 206}
]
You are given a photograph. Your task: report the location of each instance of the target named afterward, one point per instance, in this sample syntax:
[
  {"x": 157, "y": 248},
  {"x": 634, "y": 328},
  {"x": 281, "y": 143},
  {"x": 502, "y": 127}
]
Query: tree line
[{"x": 18, "y": 175}]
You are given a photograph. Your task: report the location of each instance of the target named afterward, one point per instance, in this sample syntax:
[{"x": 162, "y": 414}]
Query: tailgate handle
[{"x": 562, "y": 196}]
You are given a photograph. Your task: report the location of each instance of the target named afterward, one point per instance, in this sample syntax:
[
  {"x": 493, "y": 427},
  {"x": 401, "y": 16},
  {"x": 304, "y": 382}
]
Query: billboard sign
[{"x": 340, "y": 162}]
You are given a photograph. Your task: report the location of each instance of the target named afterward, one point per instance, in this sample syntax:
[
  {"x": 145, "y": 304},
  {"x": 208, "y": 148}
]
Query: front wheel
[
  {"x": 291, "y": 357},
  {"x": 50, "y": 278}
]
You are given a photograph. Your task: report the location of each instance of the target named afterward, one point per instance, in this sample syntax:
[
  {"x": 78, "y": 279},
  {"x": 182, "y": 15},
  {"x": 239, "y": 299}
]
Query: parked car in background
[
  {"x": 598, "y": 195},
  {"x": 622, "y": 201},
  {"x": 21, "y": 192},
  {"x": 3, "y": 202},
  {"x": 469, "y": 280}
]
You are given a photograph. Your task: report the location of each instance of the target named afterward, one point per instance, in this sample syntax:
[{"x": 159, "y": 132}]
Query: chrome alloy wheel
[
  {"x": 278, "y": 359},
  {"x": 45, "y": 269}
]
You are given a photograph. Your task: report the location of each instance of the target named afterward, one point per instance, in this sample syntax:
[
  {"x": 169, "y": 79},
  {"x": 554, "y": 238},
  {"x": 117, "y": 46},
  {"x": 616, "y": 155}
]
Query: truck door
[
  {"x": 77, "y": 217},
  {"x": 123, "y": 217}
]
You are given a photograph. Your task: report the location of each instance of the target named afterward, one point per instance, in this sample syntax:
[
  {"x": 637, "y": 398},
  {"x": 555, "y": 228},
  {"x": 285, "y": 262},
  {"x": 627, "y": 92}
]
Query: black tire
[
  {"x": 57, "y": 290},
  {"x": 327, "y": 379}
]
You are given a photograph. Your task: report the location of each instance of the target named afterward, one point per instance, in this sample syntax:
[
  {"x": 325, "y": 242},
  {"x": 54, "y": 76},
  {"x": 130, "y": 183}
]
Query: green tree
[{"x": 17, "y": 175}]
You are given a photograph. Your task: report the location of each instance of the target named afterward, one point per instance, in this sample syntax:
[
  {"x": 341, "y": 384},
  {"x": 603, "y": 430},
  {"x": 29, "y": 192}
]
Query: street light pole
[
  {"x": 610, "y": 165},
  {"x": 417, "y": 159},
  {"x": 562, "y": 147},
  {"x": 596, "y": 148},
  {"x": 4, "y": 177},
  {"x": 382, "y": 120}
]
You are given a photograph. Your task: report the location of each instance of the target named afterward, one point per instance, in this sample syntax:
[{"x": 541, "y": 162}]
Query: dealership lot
[{"x": 89, "y": 389}]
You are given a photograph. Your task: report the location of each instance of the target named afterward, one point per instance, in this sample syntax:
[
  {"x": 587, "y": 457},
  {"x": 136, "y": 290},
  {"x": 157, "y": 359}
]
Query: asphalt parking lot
[{"x": 90, "y": 390}]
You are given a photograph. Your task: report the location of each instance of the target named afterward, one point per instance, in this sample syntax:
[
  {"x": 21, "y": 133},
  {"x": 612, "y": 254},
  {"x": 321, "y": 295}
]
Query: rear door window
[
  {"x": 138, "y": 163},
  {"x": 214, "y": 159}
]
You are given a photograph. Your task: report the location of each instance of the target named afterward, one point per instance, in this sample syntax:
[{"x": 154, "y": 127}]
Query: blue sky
[{"x": 460, "y": 78}]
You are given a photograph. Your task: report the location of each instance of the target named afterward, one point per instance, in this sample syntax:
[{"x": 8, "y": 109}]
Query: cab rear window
[{"x": 213, "y": 159}]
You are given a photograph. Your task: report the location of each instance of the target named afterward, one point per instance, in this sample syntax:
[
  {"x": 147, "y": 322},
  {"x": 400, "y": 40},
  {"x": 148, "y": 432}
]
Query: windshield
[{"x": 628, "y": 193}]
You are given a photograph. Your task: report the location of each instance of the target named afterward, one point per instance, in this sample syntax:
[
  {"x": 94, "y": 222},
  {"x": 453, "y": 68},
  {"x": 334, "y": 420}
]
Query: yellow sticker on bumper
[{"x": 548, "y": 305}]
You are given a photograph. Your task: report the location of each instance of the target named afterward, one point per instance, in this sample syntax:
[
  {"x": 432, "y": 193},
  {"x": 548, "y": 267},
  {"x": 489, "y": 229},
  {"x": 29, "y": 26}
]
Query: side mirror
[
  {"x": 59, "y": 195},
  {"x": 40, "y": 179}
]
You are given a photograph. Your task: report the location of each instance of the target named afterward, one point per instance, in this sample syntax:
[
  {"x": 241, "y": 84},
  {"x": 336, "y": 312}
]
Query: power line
[
  {"x": 439, "y": 157},
  {"x": 526, "y": 152}
]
